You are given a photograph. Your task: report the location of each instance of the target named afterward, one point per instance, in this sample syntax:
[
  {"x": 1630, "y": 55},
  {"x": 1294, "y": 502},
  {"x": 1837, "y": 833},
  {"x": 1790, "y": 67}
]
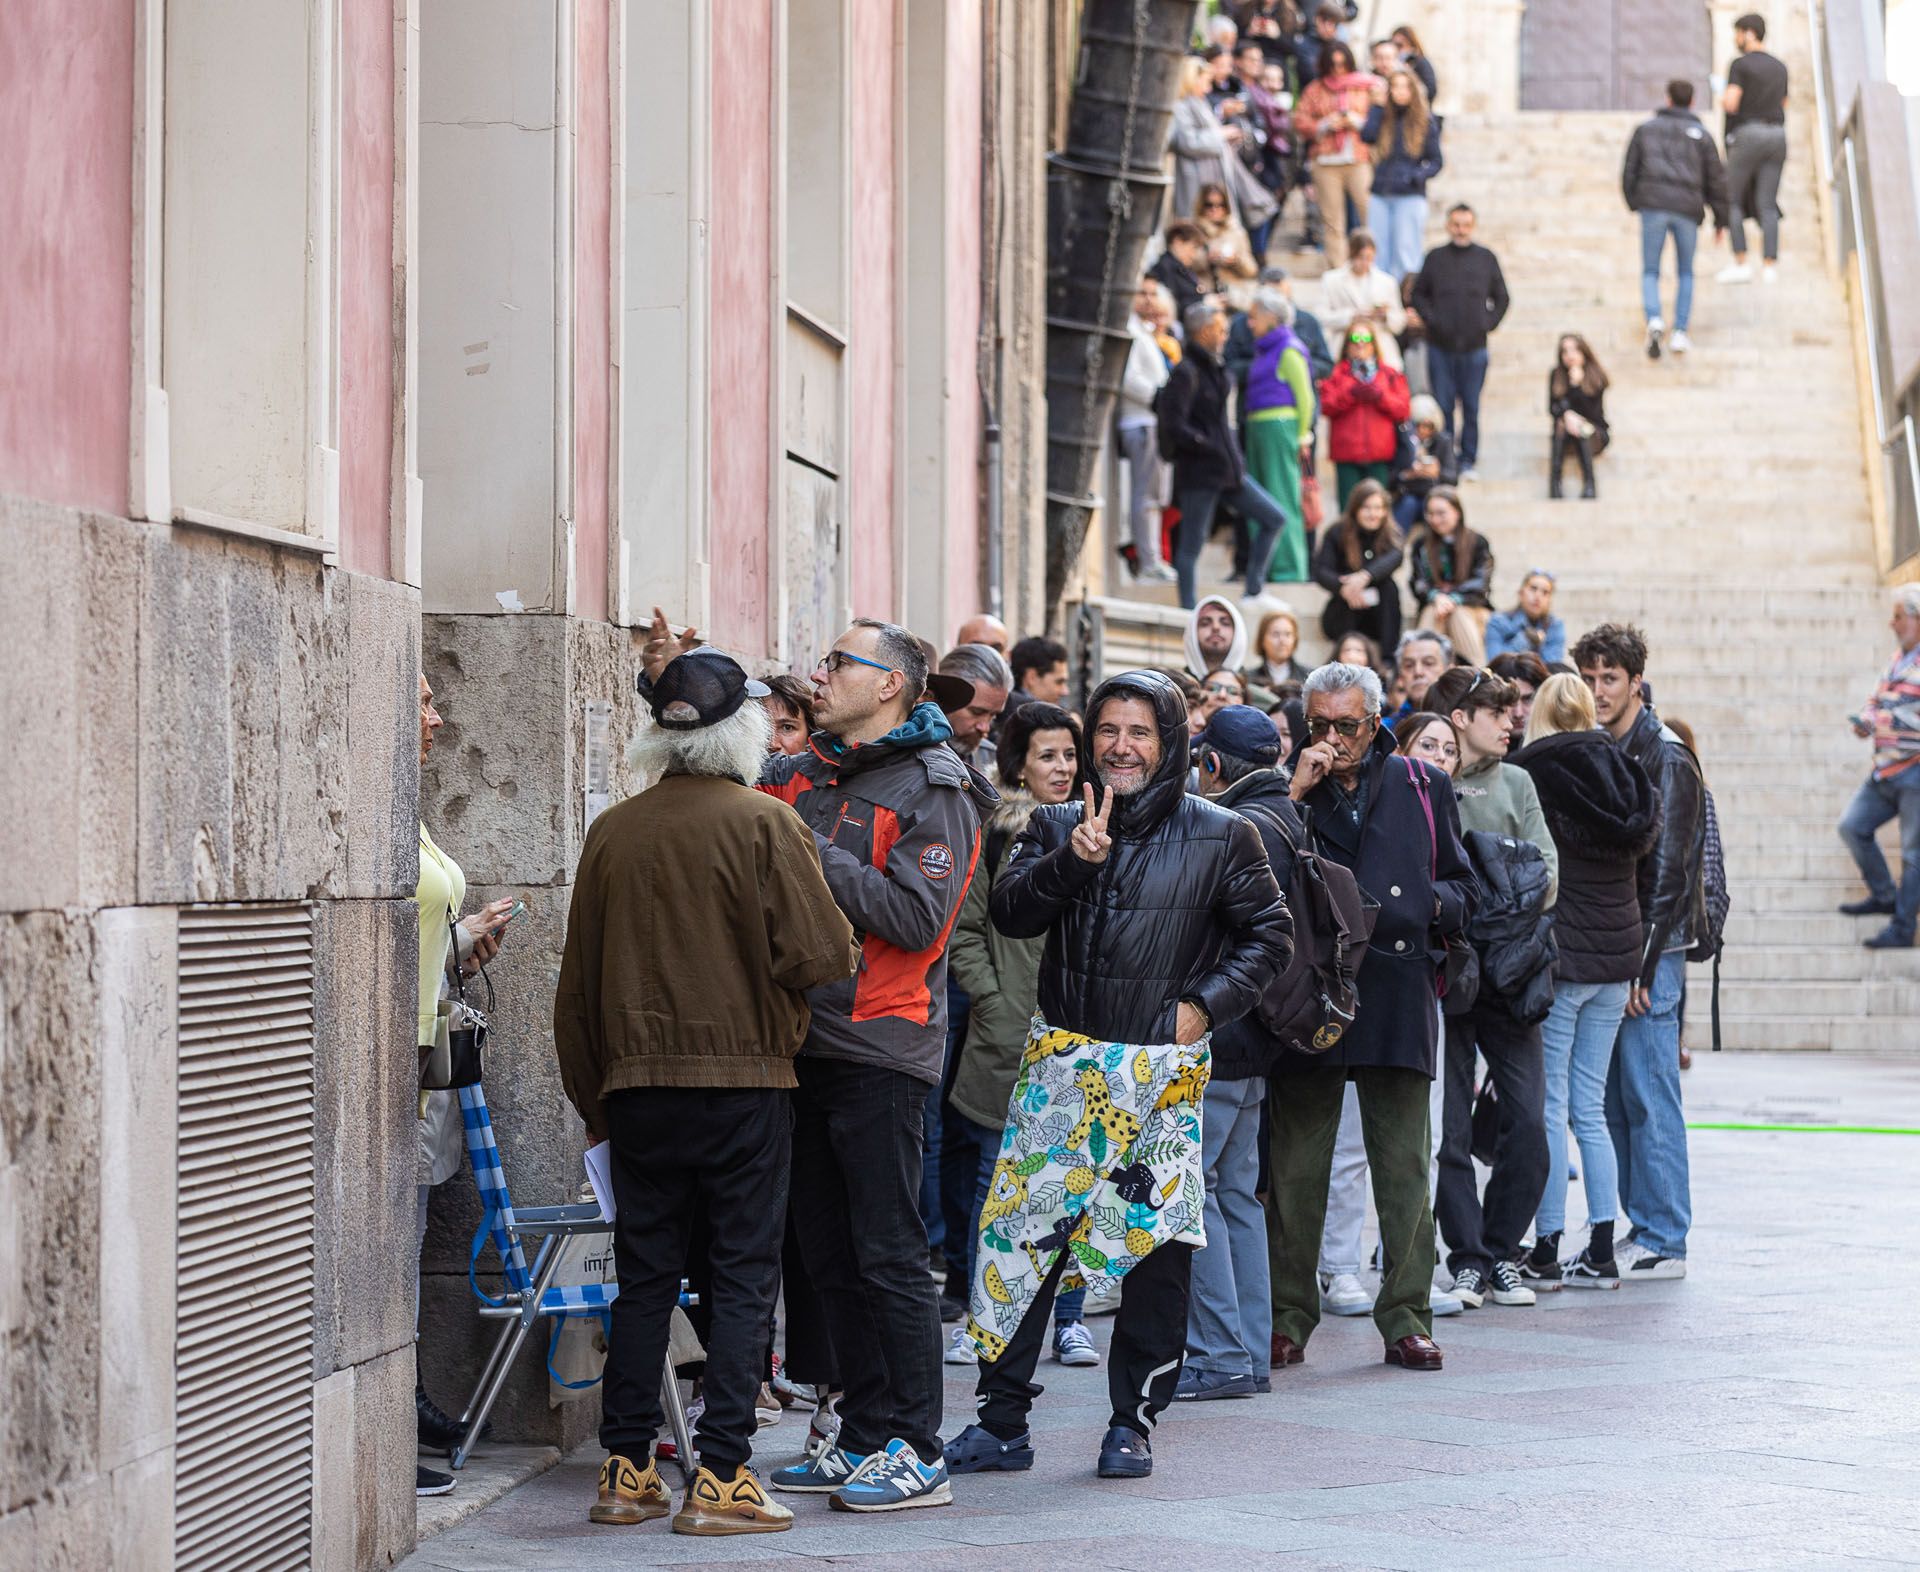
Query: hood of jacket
[
  {"x": 1236, "y": 652},
  {"x": 1017, "y": 806},
  {"x": 1599, "y": 803},
  {"x": 925, "y": 728},
  {"x": 1261, "y": 786},
  {"x": 1137, "y": 816}
]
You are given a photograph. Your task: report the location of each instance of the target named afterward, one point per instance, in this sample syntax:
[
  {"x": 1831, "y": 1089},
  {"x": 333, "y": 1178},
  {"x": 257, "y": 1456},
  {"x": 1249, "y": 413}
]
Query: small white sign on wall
[{"x": 598, "y": 774}]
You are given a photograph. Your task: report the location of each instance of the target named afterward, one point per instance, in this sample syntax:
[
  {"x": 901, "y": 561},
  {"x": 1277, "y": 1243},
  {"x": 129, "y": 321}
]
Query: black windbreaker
[{"x": 1184, "y": 908}]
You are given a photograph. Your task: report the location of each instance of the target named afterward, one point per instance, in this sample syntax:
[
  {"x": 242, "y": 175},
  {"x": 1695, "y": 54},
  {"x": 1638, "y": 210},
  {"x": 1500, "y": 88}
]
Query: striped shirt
[{"x": 1895, "y": 714}]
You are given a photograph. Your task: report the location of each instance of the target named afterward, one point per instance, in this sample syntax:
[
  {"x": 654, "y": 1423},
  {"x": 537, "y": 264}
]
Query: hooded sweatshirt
[
  {"x": 1236, "y": 655},
  {"x": 1495, "y": 796}
]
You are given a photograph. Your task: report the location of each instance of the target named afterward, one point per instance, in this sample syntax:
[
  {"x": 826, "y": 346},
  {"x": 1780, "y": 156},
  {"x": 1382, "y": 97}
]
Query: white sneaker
[
  {"x": 1650, "y": 1268},
  {"x": 1342, "y": 1293},
  {"x": 1680, "y": 343},
  {"x": 1439, "y": 1302},
  {"x": 1505, "y": 1287},
  {"x": 960, "y": 1349},
  {"x": 1769, "y": 274},
  {"x": 1156, "y": 573},
  {"x": 1734, "y": 273},
  {"x": 1470, "y": 474}
]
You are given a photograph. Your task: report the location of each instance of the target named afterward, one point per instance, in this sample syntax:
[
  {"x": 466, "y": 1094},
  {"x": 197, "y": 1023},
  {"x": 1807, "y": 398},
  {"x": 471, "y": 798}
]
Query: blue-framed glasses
[{"x": 837, "y": 660}]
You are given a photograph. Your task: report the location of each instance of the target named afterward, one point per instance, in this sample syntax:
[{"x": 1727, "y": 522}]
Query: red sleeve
[{"x": 1395, "y": 400}]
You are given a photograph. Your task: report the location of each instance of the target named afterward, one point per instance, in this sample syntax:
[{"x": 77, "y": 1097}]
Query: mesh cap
[{"x": 702, "y": 687}]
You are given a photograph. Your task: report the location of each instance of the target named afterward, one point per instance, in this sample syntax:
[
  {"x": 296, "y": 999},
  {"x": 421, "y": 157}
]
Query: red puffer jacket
[{"x": 1363, "y": 417}]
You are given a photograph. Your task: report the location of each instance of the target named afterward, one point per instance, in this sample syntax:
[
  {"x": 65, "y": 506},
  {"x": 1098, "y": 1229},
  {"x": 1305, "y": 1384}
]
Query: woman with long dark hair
[
  {"x": 1450, "y": 573},
  {"x": 1355, "y": 563},
  {"x": 1576, "y": 399}
]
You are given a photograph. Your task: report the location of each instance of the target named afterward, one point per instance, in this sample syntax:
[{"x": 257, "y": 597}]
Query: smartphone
[{"x": 517, "y": 909}]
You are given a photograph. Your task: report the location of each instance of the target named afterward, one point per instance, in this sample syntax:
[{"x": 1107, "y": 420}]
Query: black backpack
[
  {"x": 1310, "y": 1004},
  {"x": 1713, "y": 882},
  {"x": 1162, "y": 432}
]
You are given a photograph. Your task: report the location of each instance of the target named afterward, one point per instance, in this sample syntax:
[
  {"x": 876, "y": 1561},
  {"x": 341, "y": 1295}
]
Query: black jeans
[
  {"x": 1149, "y": 1346},
  {"x": 857, "y": 1167},
  {"x": 1479, "y": 1232},
  {"x": 673, "y": 1148}
]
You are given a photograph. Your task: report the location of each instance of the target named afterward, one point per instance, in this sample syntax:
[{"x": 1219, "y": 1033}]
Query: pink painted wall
[
  {"x": 871, "y": 345},
  {"x": 592, "y": 305},
  {"x": 742, "y": 319},
  {"x": 66, "y": 250},
  {"x": 963, "y": 542},
  {"x": 367, "y": 349}
]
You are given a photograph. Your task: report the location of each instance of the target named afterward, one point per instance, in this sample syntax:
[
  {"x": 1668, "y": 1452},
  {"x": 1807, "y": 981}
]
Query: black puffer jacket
[
  {"x": 1512, "y": 930},
  {"x": 1184, "y": 908},
  {"x": 1673, "y": 167},
  {"x": 1244, "y": 1048},
  {"x": 1673, "y": 904},
  {"x": 1604, "y": 814}
]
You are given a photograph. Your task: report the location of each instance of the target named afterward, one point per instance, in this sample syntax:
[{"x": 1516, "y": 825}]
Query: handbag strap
[{"x": 1417, "y": 776}]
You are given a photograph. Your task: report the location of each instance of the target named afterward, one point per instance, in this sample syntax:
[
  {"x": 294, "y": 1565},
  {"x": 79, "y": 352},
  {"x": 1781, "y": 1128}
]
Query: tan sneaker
[
  {"x": 735, "y": 1506},
  {"x": 629, "y": 1494}
]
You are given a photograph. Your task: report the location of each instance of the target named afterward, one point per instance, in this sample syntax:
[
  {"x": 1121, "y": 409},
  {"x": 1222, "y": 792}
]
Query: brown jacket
[{"x": 700, "y": 917}]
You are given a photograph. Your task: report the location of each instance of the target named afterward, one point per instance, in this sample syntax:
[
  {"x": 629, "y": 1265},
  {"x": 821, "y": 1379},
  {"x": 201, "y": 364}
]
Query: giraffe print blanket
[{"x": 1100, "y": 1157}]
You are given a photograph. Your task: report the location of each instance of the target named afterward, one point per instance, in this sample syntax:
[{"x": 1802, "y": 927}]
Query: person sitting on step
[{"x": 1576, "y": 399}]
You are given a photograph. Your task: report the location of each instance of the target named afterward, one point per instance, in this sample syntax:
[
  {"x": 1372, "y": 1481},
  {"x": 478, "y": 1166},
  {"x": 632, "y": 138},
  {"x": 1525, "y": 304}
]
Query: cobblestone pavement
[{"x": 1765, "y": 1412}]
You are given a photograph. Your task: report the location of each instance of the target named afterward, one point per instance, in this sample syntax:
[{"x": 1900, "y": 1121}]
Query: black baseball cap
[
  {"x": 1241, "y": 730},
  {"x": 702, "y": 687}
]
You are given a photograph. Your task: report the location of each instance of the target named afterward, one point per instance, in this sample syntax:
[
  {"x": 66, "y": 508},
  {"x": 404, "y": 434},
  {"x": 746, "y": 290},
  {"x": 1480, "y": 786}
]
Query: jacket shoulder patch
[{"x": 936, "y": 861}]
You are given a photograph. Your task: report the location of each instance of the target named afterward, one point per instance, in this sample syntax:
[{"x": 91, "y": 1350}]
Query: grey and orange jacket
[{"x": 897, "y": 821}]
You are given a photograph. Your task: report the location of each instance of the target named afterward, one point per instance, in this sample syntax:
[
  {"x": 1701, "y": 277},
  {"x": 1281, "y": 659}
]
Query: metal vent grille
[{"x": 243, "y": 1355}]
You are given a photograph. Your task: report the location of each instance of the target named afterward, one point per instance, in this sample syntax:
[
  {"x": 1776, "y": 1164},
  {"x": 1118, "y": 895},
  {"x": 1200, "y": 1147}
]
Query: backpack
[
  {"x": 1309, "y": 1004},
  {"x": 1162, "y": 433},
  {"x": 1713, "y": 882}
]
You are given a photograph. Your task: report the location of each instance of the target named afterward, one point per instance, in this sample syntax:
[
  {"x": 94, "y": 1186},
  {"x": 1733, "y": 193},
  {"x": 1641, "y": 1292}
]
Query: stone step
[
  {"x": 1802, "y": 1034},
  {"x": 1821, "y": 963},
  {"x": 1815, "y": 926},
  {"x": 1747, "y": 997}
]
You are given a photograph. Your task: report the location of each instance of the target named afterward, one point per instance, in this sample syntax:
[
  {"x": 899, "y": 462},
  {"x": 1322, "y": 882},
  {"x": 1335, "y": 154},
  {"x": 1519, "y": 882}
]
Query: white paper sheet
[{"x": 599, "y": 1160}]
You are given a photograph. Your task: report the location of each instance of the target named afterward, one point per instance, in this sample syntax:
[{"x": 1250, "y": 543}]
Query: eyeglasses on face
[
  {"x": 838, "y": 660},
  {"x": 1360, "y": 338},
  {"x": 1319, "y": 725}
]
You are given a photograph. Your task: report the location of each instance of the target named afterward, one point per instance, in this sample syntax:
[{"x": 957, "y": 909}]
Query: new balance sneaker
[
  {"x": 729, "y": 1506},
  {"x": 1585, "y": 1272},
  {"x": 1073, "y": 1345},
  {"x": 1470, "y": 1287},
  {"x": 960, "y": 1349},
  {"x": 1656, "y": 330},
  {"x": 977, "y": 1450},
  {"x": 1650, "y": 1268},
  {"x": 821, "y": 1472},
  {"x": 1203, "y": 1386},
  {"x": 893, "y": 1480},
  {"x": 1124, "y": 1454},
  {"x": 1505, "y": 1287},
  {"x": 1342, "y": 1293},
  {"x": 629, "y": 1493}
]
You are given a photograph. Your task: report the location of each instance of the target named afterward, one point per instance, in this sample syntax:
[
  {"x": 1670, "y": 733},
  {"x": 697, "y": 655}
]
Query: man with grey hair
[
  {"x": 1198, "y": 439},
  {"x": 690, "y": 1082},
  {"x": 1892, "y": 719},
  {"x": 1276, "y": 415},
  {"x": 992, "y": 678},
  {"x": 1392, "y": 821},
  {"x": 896, "y": 820},
  {"x": 1419, "y": 658}
]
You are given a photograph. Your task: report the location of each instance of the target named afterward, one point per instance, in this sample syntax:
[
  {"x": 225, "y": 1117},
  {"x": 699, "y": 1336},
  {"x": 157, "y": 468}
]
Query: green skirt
[{"x": 1273, "y": 459}]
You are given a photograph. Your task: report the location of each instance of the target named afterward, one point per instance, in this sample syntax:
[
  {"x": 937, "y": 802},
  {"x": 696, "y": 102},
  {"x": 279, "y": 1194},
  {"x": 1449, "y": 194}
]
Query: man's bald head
[{"x": 990, "y": 631}]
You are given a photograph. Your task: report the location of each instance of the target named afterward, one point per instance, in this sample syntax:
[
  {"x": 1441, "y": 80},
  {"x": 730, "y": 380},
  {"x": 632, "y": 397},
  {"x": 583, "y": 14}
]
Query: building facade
[{"x": 356, "y": 338}]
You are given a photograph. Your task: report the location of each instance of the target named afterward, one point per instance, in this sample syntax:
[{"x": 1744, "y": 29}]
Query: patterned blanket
[{"x": 1100, "y": 1156}]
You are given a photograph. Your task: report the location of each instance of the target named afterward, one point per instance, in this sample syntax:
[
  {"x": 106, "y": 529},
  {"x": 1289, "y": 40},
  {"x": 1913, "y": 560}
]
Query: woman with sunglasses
[
  {"x": 1229, "y": 259},
  {"x": 1365, "y": 400}
]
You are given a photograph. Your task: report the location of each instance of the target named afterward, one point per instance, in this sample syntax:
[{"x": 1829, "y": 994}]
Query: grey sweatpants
[{"x": 1755, "y": 156}]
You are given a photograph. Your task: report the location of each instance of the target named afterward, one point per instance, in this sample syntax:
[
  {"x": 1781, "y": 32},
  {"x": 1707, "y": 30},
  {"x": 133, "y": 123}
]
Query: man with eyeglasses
[
  {"x": 1392, "y": 821},
  {"x": 896, "y": 817}
]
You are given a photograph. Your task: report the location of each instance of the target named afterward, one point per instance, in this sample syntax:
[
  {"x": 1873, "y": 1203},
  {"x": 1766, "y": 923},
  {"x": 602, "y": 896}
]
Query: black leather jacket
[
  {"x": 1184, "y": 908},
  {"x": 1672, "y": 899}
]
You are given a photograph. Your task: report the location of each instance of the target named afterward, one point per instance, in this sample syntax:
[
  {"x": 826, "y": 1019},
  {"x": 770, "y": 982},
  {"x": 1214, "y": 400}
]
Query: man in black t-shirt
[{"x": 1756, "y": 104}]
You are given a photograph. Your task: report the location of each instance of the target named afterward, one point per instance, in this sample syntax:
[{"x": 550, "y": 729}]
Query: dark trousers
[
  {"x": 673, "y": 1148},
  {"x": 1481, "y": 1231},
  {"x": 857, "y": 1161},
  {"x": 1393, "y": 1120},
  {"x": 1197, "y": 507},
  {"x": 1149, "y": 1346},
  {"x": 1380, "y": 623},
  {"x": 809, "y": 1356},
  {"x": 1457, "y": 379}
]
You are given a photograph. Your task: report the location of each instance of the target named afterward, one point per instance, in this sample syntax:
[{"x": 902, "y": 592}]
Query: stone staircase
[{"x": 1732, "y": 526}]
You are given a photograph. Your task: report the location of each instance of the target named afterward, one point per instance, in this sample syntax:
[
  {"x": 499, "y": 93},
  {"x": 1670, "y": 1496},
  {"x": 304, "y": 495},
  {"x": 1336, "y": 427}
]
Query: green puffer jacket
[{"x": 1000, "y": 975}]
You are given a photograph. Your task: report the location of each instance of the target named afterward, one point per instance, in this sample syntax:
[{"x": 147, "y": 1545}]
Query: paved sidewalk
[{"x": 1763, "y": 1413}]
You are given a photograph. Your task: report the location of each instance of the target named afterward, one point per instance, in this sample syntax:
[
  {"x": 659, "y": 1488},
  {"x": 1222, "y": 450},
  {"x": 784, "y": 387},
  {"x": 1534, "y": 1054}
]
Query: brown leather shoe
[
  {"x": 1285, "y": 1352},
  {"x": 629, "y": 1494},
  {"x": 1418, "y": 1352}
]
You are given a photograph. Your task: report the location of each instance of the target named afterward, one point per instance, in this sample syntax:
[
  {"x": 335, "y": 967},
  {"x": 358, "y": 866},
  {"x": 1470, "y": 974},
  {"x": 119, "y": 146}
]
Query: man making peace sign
[{"x": 1162, "y": 921}]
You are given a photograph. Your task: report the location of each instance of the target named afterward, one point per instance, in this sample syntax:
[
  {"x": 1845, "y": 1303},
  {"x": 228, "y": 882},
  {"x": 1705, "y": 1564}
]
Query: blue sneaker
[
  {"x": 977, "y": 1450},
  {"x": 1125, "y": 1454},
  {"x": 890, "y": 1481},
  {"x": 822, "y": 1470}
]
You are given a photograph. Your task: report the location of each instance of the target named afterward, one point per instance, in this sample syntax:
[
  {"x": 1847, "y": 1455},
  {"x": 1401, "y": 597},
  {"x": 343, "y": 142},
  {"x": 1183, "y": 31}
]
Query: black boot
[
  {"x": 1584, "y": 448},
  {"x": 1556, "y": 461},
  {"x": 439, "y": 1430}
]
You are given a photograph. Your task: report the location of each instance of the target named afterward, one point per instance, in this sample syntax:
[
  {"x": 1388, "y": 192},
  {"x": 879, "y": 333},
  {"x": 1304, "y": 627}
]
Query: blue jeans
[
  {"x": 1196, "y": 518},
  {"x": 1067, "y": 1307},
  {"x": 1873, "y": 804},
  {"x": 1654, "y": 229},
  {"x": 1457, "y": 378},
  {"x": 1578, "y": 1036},
  {"x": 1230, "y": 1309},
  {"x": 1648, "y": 1124},
  {"x": 1400, "y": 225}
]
